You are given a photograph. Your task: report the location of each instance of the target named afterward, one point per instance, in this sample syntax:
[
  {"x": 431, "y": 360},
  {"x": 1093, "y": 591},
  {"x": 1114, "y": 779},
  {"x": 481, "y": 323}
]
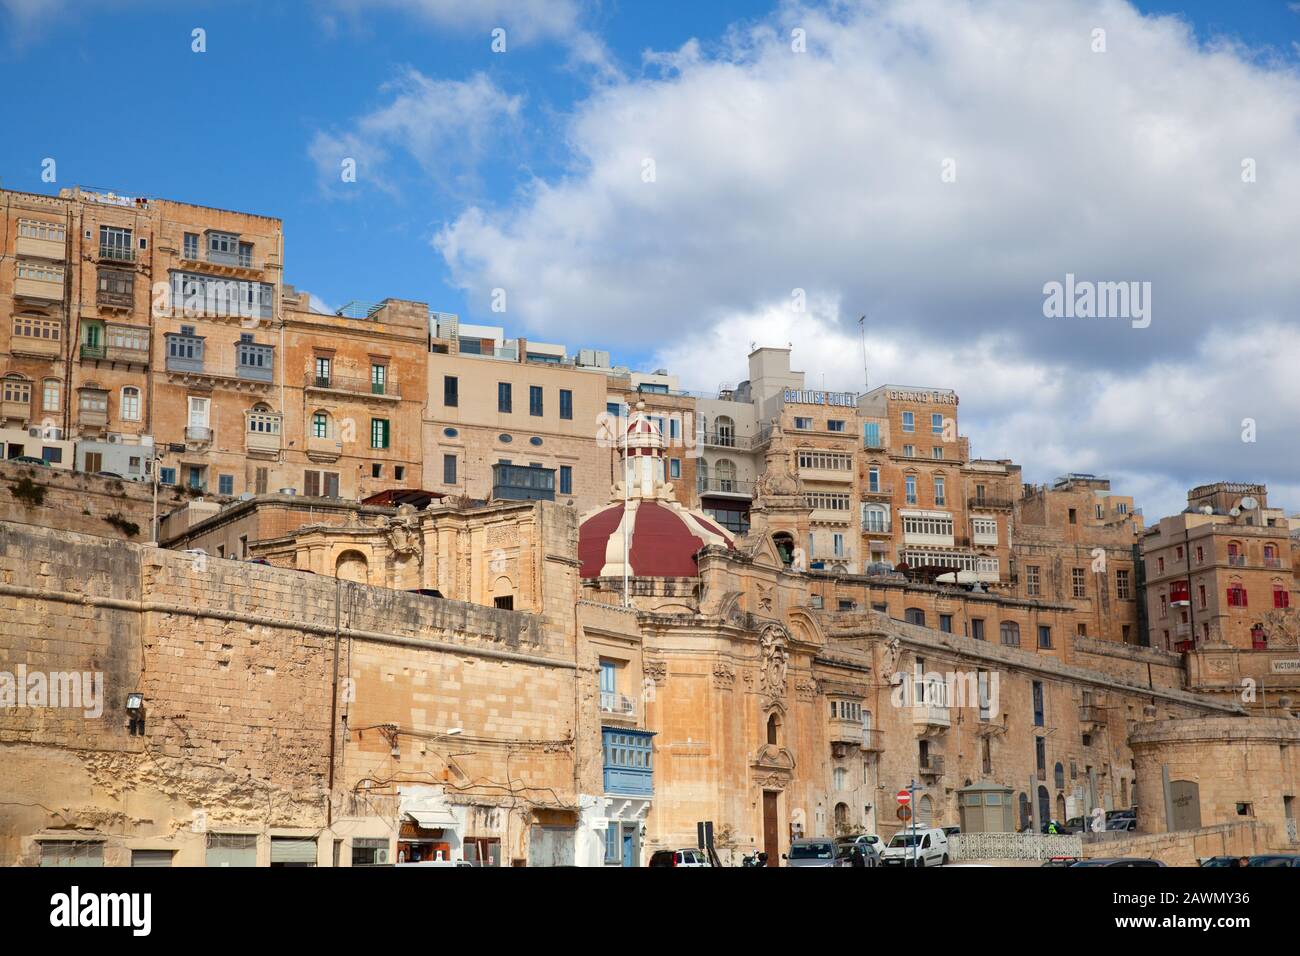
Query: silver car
[
  {"x": 867, "y": 843},
  {"x": 814, "y": 851}
]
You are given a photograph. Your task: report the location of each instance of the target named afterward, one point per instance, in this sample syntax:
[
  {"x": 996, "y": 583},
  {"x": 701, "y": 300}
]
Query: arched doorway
[
  {"x": 841, "y": 819},
  {"x": 924, "y": 811},
  {"x": 352, "y": 566},
  {"x": 1044, "y": 806},
  {"x": 1026, "y": 818}
]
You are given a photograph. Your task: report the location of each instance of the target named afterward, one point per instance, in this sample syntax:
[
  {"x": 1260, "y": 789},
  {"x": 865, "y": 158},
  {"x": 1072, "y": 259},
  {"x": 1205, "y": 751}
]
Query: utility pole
[{"x": 862, "y": 326}]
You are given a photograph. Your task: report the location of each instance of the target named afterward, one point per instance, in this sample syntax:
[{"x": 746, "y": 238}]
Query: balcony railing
[
  {"x": 932, "y": 766},
  {"x": 932, "y": 715},
  {"x": 618, "y": 704},
  {"x": 879, "y": 491},
  {"x": 875, "y": 527},
  {"x": 873, "y": 740},
  {"x": 727, "y": 440},
  {"x": 116, "y": 253},
  {"x": 1005, "y": 504},
  {"x": 1237, "y": 560},
  {"x": 198, "y": 433},
  {"x": 353, "y": 385},
  {"x": 724, "y": 486}
]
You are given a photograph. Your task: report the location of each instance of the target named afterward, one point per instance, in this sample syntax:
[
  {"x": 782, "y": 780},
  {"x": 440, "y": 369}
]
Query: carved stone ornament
[{"x": 774, "y": 660}]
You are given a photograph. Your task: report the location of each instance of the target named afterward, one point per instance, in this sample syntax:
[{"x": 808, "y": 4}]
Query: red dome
[{"x": 663, "y": 540}]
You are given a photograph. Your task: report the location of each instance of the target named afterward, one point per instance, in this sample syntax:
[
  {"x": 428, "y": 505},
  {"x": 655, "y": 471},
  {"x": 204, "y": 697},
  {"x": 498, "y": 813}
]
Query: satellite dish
[
  {"x": 1207, "y": 510},
  {"x": 1235, "y": 512},
  {"x": 1249, "y": 504}
]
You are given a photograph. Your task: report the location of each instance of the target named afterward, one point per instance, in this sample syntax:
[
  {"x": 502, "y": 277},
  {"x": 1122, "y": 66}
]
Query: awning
[{"x": 433, "y": 819}]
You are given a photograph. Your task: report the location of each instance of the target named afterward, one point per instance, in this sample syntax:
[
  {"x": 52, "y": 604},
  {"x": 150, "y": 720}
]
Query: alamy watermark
[
  {"x": 1085, "y": 299},
  {"x": 75, "y": 690}
]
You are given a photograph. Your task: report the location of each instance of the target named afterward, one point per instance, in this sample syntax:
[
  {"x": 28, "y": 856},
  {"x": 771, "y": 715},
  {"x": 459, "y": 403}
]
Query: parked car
[
  {"x": 109, "y": 474},
  {"x": 1129, "y": 814},
  {"x": 952, "y": 831},
  {"x": 1121, "y": 824},
  {"x": 814, "y": 851},
  {"x": 687, "y": 857},
  {"x": 1061, "y": 861},
  {"x": 925, "y": 847},
  {"x": 867, "y": 843},
  {"x": 1119, "y": 861},
  {"x": 30, "y": 460},
  {"x": 1221, "y": 861},
  {"x": 1275, "y": 859}
]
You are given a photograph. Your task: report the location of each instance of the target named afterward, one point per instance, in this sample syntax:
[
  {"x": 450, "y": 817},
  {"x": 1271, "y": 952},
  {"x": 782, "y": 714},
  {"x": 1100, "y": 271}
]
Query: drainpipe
[{"x": 334, "y": 702}]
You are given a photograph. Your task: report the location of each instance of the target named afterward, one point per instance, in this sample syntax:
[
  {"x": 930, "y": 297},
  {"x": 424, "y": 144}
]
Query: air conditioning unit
[
  {"x": 381, "y": 856},
  {"x": 288, "y": 491},
  {"x": 34, "y": 433},
  {"x": 114, "y": 438}
]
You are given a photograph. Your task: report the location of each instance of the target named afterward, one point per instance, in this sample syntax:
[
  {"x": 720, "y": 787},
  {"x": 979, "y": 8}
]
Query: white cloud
[
  {"x": 777, "y": 170},
  {"x": 445, "y": 126},
  {"x": 525, "y": 22}
]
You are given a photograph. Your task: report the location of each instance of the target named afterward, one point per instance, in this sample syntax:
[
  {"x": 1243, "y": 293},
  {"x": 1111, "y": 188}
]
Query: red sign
[{"x": 904, "y": 798}]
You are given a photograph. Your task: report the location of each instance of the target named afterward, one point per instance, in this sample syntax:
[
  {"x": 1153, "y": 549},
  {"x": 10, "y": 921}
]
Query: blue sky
[{"x": 523, "y": 170}]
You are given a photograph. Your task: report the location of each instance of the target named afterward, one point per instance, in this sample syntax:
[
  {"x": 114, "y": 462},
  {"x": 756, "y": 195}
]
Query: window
[
  {"x": 1201, "y": 594},
  {"x": 914, "y": 615},
  {"x": 875, "y": 518},
  {"x": 945, "y": 623},
  {"x": 910, "y": 485},
  {"x": 871, "y": 434},
  {"x": 31, "y": 326},
  {"x": 505, "y": 400},
  {"x": 324, "y": 371},
  {"x": 1078, "y": 583},
  {"x": 450, "y": 391},
  {"x": 824, "y": 460},
  {"x": 448, "y": 469},
  {"x": 232, "y": 849},
  {"x": 834, "y": 425},
  {"x": 1009, "y": 631},
  {"x": 977, "y": 628},
  {"x": 909, "y": 422},
  {"x": 919, "y": 525},
  {"x": 837, "y": 545},
  {"x": 45, "y": 231},
  {"x": 166, "y": 476},
  {"x": 873, "y": 479},
  {"x": 1281, "y": 597},
  {"x": 505, "y": 602},
  {"x": 936, "y": 453},
  {"x": 909, "y": 451},
  {"x": 803, "y": 424},
  {"x": 535, "y": 400},
  {"x": 198, "y": 412},
  {"x": 39, "y": 271},
  {"x": 939, "y": 497},
  {"x": 369, "y": 851},
  {"x": 1123, "y": 584},
  {"x": 399, "y": 472},
  {"x": 17, "y": 390},
  {"x": 321, "y": 484},
  {"x": 566, "y": 404},
  {"x": 1039, "y": 711},
  {"x": 378, "y": 378},
  {"x": 1044, "y": 637},
  {"x": 71, "y": 853},
  {"x": 566, "y": 479},
  {"x": 191, "y": 246},
  {"x": 826, "y": 501},
  {"x": 1033, "y": 580},
  {"x": 50, "y": 395},
  {"x": 320, "y": 425},
  {"x": 130, "y": 405},
  {"x": 115, "y": 243},
  {"x": 936, "y": 423},
  {"x": 1236, "y": 596},
  {"x": 379, "y": 433},
  {"x": 1074, "y": 518},
  {"x": 674, "y": 467},
  {"x": 226, "y": 484}
]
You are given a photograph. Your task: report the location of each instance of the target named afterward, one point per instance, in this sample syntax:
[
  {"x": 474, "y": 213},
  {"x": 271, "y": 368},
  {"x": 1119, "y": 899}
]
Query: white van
[{"x": 928, "y": 847}]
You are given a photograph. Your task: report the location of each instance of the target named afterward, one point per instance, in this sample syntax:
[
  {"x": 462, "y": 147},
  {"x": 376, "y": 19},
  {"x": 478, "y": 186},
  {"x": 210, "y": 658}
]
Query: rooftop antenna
[{"x": 862, "y": 324}]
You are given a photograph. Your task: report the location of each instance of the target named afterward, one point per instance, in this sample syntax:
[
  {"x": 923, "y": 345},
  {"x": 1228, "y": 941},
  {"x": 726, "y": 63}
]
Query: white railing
[{"x": 621, "y": 704}]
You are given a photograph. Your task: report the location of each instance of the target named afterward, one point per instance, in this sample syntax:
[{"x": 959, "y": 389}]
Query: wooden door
[{"x": 771, "y": 837}]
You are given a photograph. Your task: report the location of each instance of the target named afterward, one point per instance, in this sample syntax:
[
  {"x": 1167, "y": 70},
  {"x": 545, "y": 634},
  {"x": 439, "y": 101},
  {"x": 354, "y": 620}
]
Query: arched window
[
  {"x": 17, "y": 389},
  {"x": 321, "y": 426},
  {"x": 1010, "y": 632},
  {"x": 724, "y": 432},
  {"x": 773, "y": 729},
  {"x": 875, "y": 518},
  {"x": 726, "y": 472},
  {"x": 841, "y": 817},
  {"x": 784, "y": 542},
  {"x": 129, "y": 409},
  {"x": 914, "y": 615},
  {"x": 1060, "y": 777}
]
